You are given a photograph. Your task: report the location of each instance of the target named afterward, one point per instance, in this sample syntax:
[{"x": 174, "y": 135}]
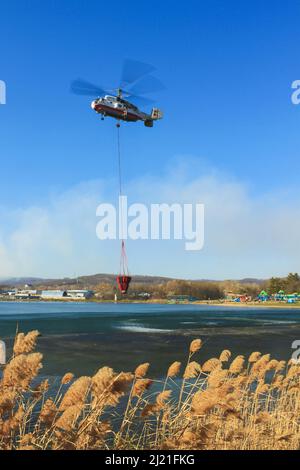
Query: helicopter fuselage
[{"x": 120, "y": 109}]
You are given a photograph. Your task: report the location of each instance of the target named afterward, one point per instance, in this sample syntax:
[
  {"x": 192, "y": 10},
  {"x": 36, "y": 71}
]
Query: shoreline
[
  {"x": 251, "y": 304},
  {"x": 208, "y": 303}
]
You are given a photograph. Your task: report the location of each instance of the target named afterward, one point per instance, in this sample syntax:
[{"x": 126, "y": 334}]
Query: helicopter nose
[{"x": 93, "y": 104}]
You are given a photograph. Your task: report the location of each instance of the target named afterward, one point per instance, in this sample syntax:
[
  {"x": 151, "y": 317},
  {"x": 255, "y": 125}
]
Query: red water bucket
[{"x": 123, "y": 283}]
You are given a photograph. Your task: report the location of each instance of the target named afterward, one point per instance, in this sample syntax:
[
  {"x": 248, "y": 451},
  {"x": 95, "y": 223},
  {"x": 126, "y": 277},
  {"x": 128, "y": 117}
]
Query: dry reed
[{"x": 249, "y": 403}]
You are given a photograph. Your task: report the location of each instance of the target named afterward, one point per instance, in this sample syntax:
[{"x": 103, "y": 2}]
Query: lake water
[{"x": 81, "y": 337}]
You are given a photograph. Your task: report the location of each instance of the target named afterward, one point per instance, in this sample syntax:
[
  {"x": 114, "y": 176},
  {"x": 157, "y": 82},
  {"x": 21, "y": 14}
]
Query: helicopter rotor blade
[
  {"x": 135, "y": 75},
  {"x": 133, "y": 70},
  {"x": 140, "y": 101},
  {"x": 82, "y": 87},
  {"x": 148, "y": 84}
]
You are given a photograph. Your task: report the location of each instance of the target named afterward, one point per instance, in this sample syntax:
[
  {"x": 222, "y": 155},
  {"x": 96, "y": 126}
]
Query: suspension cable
[
  {"x": 123, "y": 258},
  {"x": 119, "y": 160}
]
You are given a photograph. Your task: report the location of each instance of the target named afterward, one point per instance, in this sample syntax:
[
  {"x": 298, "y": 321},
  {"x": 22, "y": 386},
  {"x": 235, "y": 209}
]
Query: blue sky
[{"x": 227, "y": 68}]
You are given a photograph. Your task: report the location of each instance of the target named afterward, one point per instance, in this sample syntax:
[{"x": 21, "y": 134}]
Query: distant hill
[
  {"x": 90, "y": 280},
  {"x": 17, "y": 281},
  {"x": 252, "y": 280},
  {"x": 100, "y": 278}
]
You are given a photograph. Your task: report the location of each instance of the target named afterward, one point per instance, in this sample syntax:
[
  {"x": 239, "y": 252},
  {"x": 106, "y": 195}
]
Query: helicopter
[{"x": 121, "y": 103}]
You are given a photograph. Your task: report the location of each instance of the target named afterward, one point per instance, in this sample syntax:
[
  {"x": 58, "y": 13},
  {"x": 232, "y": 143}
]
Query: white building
[
  {"x": 80, "y": 294},
  {"x": 64, "y": 294},
  {"x": 26, "y": 293},
  {"x": 53, "y": 294}
]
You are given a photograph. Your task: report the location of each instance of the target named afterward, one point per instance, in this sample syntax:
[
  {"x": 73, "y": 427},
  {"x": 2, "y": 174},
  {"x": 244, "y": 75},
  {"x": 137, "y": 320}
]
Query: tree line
[
  {"x": 205, "y": 290},
  {"x": 289, "y": 284}
]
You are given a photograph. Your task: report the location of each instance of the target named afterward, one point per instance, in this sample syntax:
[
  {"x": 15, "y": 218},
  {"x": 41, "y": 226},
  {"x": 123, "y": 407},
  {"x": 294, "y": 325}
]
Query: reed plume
[
  {"x": 225, "y": 355},
  {"x": 67, "y": 378},
  {"x": 140, "y": 386},
  {"x": 237, "y": 365},
  {"x": 211, "y": 364},
  {"x": 195, "y": 346},
  {"x": 21, "y": 370},
  {"x": 76, "y": 394},
  {"x": 25, "y": 343},
  {"x": 174, "y": 369},
  {"x": 141, "y": 370}
]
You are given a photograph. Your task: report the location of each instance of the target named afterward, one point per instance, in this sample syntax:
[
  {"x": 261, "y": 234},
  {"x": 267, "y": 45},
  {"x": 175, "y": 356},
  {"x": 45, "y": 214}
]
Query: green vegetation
[{"x": 289, "y": 284}]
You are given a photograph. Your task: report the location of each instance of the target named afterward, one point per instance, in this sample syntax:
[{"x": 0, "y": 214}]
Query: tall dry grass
[{"x": 223, "y": 403}]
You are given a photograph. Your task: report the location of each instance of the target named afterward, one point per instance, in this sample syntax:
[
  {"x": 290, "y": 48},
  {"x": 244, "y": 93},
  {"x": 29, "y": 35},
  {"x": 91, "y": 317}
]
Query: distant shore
[{"x": 213, "y": 303}]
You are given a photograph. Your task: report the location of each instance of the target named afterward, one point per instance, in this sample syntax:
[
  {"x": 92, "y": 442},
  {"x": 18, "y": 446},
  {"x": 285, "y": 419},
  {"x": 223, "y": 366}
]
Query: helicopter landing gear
[
  {"x": 102, "y": 118},
  {"x": 118, "y": 124}
]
